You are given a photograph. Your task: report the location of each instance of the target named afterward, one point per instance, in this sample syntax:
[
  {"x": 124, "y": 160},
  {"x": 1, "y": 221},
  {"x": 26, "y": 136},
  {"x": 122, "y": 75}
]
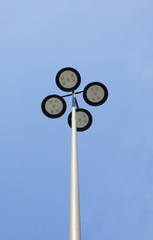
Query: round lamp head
[
  {"x": 53, "y": 106},
  {"x": 68, "y": 79},
  {"x": 95, "y": 93},
  {"x": 83, "y": 119}
]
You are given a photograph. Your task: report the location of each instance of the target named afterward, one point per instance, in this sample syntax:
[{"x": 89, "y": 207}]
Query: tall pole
[
  {"x": 54, "y": 106},
  {"x": 74, "y": 231}
]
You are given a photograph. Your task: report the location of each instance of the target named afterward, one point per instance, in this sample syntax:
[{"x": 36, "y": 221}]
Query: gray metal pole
[{"x": 74, "y": 231}]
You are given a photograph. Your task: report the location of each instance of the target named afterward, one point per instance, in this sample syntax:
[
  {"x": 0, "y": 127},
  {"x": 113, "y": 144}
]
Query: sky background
[{"x": 110, "y": 41}]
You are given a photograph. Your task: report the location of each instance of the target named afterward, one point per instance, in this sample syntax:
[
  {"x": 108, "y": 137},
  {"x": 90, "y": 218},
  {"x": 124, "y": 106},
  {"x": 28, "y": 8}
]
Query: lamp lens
[
  {"x": 68, "y": 79},
  {"x": 54, "y": 106},
  {"x": 95, "y": 93}
]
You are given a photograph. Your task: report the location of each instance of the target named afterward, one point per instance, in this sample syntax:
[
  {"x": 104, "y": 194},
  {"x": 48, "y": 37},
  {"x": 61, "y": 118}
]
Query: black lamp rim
[
  {"x": 78, "y": 78},
  {"x": 53, "y": 115},
  {"x": 100, "y": 102},
  {"x": 89, "y": 123}
]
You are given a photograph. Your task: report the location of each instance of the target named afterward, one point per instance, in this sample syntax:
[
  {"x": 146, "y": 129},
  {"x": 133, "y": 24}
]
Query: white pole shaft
[{"x": 74, "y": 231}]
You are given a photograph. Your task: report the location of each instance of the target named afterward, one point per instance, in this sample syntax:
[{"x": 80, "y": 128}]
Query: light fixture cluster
[{"x": 68, "y": 80}]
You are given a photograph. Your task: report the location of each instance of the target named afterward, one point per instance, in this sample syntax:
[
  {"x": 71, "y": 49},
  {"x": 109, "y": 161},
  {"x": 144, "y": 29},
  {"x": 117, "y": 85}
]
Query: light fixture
[
  {"x": 95, "y": 93},
  {"x": 68, "y": 79},
  {"x": 83, "y": 119},
  {"x": 53, "y": 106}
]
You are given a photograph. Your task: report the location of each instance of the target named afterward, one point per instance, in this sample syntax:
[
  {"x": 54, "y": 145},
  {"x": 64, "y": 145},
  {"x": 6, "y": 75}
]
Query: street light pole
[
  {"x": 74, "y": 229},
  {"x": 54, "y": 106}
]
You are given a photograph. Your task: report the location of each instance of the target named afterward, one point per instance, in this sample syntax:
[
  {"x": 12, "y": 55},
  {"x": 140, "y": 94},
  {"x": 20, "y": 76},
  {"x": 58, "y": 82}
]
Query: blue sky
[{"x": 107, "y": 41}]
